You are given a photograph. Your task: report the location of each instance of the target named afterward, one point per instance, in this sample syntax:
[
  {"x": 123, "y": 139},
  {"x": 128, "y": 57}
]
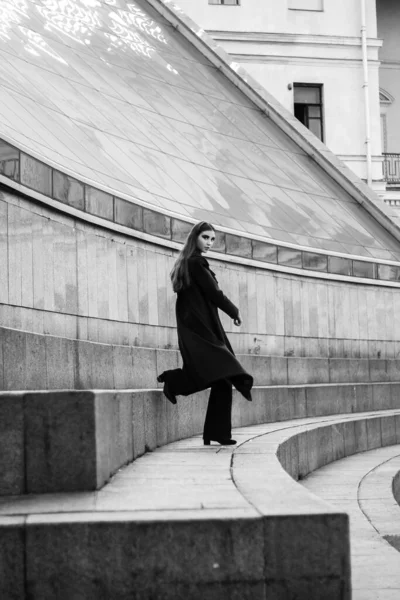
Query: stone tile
[
  {"x": 61, "y": 360},
  {"x": 59, "y": 442},
  {"x": 92, "y": 552},
  {"x": 144, "y": 367},
  {"x": 12, "y": 452},
  {"x": 12, "y": 558},
  {"x": 124, "y": 377},
  {"x": 14, "y": 359},
  {"x": 264, "y": 252},
  {"x": 36, "y": 368},
  {"x": 138, "y": 424}
]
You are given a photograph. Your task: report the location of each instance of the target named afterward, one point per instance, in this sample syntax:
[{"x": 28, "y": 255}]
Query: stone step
[
  {"x": 75, "y": 440},
  {"x": 194, "y": 521}
]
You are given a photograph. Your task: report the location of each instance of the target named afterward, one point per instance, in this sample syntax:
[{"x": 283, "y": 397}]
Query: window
[
  {"x": 308, "y": 107},
  {"x": 225, "y": 2},
  {"x": 316, "y": 5}
]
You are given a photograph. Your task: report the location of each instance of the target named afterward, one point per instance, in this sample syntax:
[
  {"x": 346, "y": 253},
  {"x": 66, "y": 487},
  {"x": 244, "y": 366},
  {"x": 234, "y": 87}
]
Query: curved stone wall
[{"x": 62, "y": 277}]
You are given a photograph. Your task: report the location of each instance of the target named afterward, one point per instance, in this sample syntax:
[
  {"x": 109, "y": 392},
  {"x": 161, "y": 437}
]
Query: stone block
[
  {"x": 314, "y": 588},
  {"x": 68, "y": 190},
  {"x": 308, "y": 370},
  {"x": 138, "y": 424},
  {"x": 12, "y": 558},
  {"x": 303, "y": 466},
  {"x": 306, "y": 547},
  {"x": 14, "y": 359},
  {"x": 395, "y": 395},
  {"x": 165, "y": 360},
  {"x": 338, "y": 441},
  {"x": 124, "y": 377},
  {"x": 36, "y": 368},
  {"x": 364, "y": 397},
  {"x": 322, "y": 401},
  {"x": 350, "y": 446},
  {"x": 279, "y": 370},
  {"x": 378, "y": 370},
  {"x": 388, "y": 431},
  {"x": 144, "y": 367},
  {"x": 397, "y": 425},
  {"x": 99, "y": 203},
  {"x": 114, "y": 440},
  {"x": 12, "y": 451},
  {"x": 60, "y": 361},
  {"x": 374, "y": 436},
  {"x": 151, "y": 405},
  {"x": 381, "y": 396},
  {"x": 114, "y": 557},
  {"x": 102, "y": 366},
  {"x": 393, "y": 369},
  {"x": 360, "y": 436},
  {"x": 60, "y": 442},
  {"x": 83, "y": 365}
]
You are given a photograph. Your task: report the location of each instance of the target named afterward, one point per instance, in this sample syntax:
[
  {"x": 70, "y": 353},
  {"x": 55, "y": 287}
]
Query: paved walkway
[{"x": 361, "y": 486}]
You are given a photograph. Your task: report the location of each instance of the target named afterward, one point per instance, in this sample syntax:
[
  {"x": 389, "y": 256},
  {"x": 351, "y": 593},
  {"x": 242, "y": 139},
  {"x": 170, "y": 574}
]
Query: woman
[{"x": 208, "y": 358}]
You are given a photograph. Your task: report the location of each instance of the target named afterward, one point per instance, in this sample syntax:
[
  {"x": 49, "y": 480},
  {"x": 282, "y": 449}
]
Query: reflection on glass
[
  {"x": 340, "y": 266},
  {"x": 388, "y": 272},
  {"x": 238, "y": 245},
  {"x": 289, "y": 257},
  {"x": 363, "y": 269},
  {"x": 265, "y": 252},
  {"x": 315, "y": 262},
  {"x": 9, "y": 161}
]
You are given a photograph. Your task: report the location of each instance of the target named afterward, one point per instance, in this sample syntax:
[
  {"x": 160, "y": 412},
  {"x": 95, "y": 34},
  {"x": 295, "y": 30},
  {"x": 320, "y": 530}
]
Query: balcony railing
[{"x": 391, "y": 167}]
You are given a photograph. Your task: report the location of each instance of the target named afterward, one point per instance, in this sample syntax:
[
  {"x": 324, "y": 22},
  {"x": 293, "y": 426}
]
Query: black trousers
[{"x": 218, "y": 422}]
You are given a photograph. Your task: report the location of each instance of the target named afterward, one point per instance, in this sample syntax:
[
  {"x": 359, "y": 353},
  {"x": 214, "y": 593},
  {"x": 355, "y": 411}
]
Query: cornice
[
  {"x": 252, "y": 57},
  {"x": 291, "y": 38}
]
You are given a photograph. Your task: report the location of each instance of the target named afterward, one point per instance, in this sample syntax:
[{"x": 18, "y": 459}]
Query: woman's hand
[{"x": 238, "y": 320}]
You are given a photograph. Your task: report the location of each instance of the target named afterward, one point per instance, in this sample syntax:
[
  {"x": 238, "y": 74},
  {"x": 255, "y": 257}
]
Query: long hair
[{"x": 180, "y": 273}]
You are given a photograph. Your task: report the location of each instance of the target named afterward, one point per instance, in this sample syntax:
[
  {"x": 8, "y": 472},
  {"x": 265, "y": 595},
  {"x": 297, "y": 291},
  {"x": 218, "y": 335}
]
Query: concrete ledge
[
  {"x": 75, "y": 441},
  {"x": 31, "y": 361}
]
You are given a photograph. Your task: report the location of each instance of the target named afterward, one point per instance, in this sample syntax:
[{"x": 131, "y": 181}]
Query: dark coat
[{"x": 206, "y": 352}]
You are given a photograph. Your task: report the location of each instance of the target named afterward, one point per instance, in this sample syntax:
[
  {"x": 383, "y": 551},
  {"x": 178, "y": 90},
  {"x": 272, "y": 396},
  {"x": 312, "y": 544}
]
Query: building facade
[{"x": 309, "y": 54}]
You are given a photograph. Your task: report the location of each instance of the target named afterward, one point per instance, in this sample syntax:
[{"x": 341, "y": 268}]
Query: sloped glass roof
[{"x": 111, "y": 93}]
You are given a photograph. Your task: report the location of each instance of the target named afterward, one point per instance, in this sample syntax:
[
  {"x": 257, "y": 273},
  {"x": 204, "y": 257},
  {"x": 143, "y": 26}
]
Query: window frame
[{"x": 320, "y": 87}]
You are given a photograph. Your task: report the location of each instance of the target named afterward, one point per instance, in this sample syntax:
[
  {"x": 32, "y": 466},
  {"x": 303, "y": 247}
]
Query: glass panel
[
  {"x": 263, "y": 251},
  {"x": 307, "y": 95},
  {"x": 180, "y": 230},
  {"x": 289, "y": 257},
  {"x": 388, "y": 272},
  {"x": 237, "y": 245},
  {"x": 69, "y": 190},
  {"x": 99, "y": 203},
  {"x": 220, "y": 242},
  {"x": 156, "y": 223},
  {"x": 316, "y": 262},
  {"x": 314, "y": 112},
  {"x": 36, "y": 174},
  {"x": 9, "y": 161},
  {"x": 341, "y": 266},
  {"x": 128, "y": 214},
  {"x": 363, "y": 269}
]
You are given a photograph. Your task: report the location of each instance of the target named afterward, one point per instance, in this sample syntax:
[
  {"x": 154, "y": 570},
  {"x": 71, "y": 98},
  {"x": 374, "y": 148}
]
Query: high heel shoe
[
  {"x": 166, "y": 390},
  {"x": 223, "y": 442}
]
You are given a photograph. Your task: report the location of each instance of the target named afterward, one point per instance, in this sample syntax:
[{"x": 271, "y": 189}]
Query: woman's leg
[{"x": 218, "y": 424}]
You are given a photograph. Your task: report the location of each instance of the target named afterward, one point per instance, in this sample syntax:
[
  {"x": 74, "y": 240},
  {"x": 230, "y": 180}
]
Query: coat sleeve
[{"x": 206, "y": 282}]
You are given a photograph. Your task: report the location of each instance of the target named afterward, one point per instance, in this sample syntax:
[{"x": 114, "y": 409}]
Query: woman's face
[{"x": 205, "y": 240}]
